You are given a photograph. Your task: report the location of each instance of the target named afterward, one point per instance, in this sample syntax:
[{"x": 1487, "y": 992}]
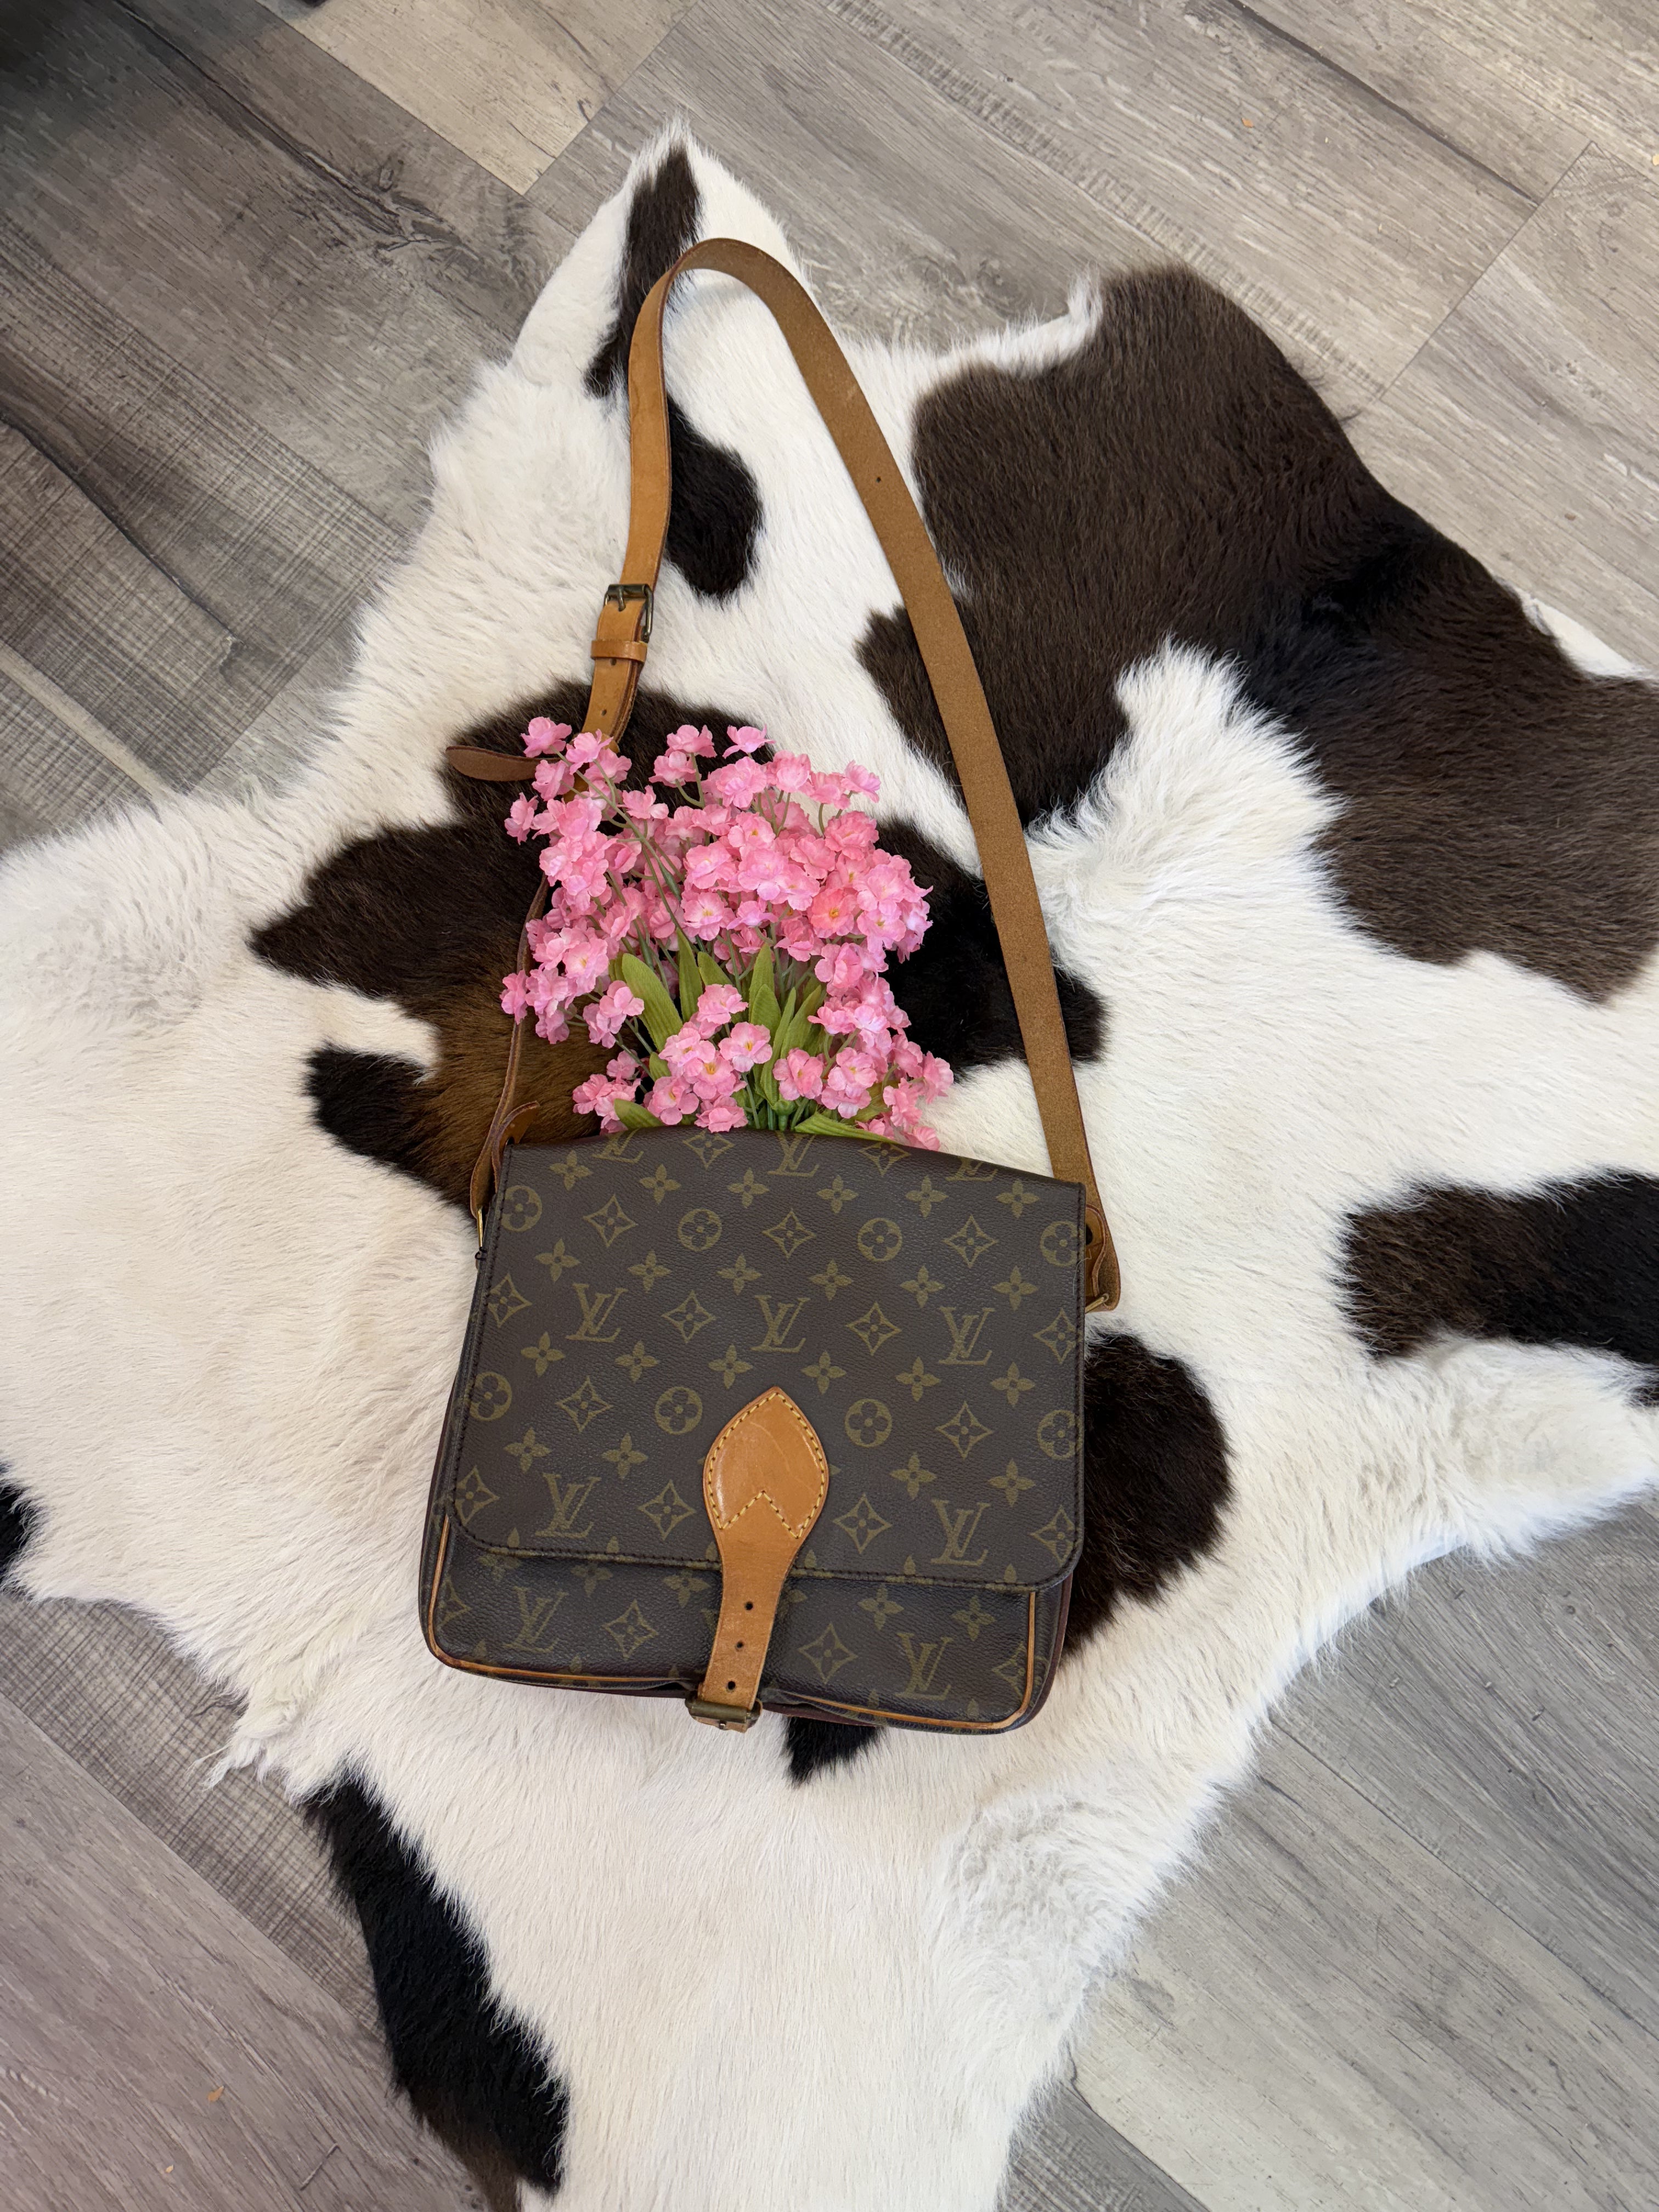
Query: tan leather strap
[
  {"x": 764, "y": 1482},
  {"x": 624, "y": 628}
]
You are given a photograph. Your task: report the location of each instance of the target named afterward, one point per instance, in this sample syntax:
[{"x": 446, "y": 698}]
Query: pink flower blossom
[
  {"x": 521, "y": 818},
  {"x": 720, "y": 1004},
  {"x": 744, "y": 739},
  {"x": 515, "y": 994},
  {"x": 691, "y": 741},
  {"x": 673, "y": 769},
  {"x": 544, "y": 737},
  {"x": 800, "y": 1075},
  {"x": 748, "y": 1046},
  {"x": 722, "y": 1114},
  {"x": 610, "y": 1010},
  {"x": 704, "y": 914},
  {"x": 671, "y": 1100},
  {"x": 739, "y": 783}
]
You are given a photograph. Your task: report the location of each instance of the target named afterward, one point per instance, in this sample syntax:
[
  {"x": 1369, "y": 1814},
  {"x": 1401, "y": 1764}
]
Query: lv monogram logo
[
  {"x": 535, "y": 1610},
  {"x": 924, "y": 1661},
  {"x": 961, "y": 1525},
  {"x": 596, "y": 1307},
  {"x": 568, "y": 1499},
  {"x": 792, "y": 1149},
  {"x": 780, "y": 1315},
  {"x": 966, "y": 1329}
]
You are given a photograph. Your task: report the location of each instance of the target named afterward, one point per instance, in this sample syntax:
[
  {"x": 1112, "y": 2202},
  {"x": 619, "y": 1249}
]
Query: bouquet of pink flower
[{"x": 734, "y": 942}]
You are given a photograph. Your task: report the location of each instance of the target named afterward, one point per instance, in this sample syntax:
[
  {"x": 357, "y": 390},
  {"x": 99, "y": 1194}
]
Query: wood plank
[
  {"x": 159, "y": 2054},
  {"x": 164, "y": 564},
  {"x": 1408, "y": 55},
  {"x": 508, "y": 82},
  {"x": 1505, "y": 1719},
  {"x": 1525, "y": 427},
  {"x": 272, "y": 226},
  {"x": 1338, "y": 222},
  {"x": 105, "y": 1687},
  {"x": 1069, "y": 2160},
  {"x": 1484, "y": 67},
  {"x": 913, "y": 224},
  {"x": 1325, "y": 2019}
]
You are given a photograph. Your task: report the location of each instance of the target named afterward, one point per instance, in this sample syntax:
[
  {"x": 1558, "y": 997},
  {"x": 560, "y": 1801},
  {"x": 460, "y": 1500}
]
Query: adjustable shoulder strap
[{"x": 623, "y": 633}]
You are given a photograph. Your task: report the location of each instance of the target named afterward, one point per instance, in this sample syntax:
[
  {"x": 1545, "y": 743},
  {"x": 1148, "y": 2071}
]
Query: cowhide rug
[{"x": 1352, "y": 865}]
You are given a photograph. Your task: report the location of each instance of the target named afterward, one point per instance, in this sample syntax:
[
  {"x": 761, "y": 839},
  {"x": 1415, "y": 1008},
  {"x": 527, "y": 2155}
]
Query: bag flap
[{"x": 924, "y": 1311}]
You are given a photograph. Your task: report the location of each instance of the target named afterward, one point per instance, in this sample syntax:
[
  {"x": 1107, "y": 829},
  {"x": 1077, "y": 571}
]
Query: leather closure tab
[{"x": 764, "y": 1482}]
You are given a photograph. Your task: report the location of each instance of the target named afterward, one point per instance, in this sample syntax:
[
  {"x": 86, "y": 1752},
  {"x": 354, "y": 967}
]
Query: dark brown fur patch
[
  {"x": 1155, "y": 1479},
  {"x": 1177, "y": 480},
  {"x": 430, "y": 919},
  {"x": 1576, "y": 1264},
  {"x": 716, "y": 513}
]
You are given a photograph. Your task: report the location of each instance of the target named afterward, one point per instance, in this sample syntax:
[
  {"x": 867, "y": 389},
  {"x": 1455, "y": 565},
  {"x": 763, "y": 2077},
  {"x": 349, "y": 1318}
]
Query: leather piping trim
[{"x": 867, "y": 1713}]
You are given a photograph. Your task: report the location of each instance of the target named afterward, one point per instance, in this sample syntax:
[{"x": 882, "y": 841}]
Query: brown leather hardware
[
  {"x": 764, "y": 1482},
  {"x": 624, "y": 626}
]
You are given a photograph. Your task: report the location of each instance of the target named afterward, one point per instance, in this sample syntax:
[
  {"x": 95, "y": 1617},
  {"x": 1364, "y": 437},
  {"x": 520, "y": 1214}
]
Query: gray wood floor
[{"x": 249, "y": 254}]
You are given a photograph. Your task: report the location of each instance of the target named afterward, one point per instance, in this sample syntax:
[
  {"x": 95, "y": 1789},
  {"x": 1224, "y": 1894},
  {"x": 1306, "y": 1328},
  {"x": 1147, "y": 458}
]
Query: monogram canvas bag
[{"x": 766, "y": 1420}]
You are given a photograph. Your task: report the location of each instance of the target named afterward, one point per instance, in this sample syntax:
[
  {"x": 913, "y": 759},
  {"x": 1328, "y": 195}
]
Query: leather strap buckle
[
  {"x": 736, "y": 1717},
  {"x": 618, "y": 595}
]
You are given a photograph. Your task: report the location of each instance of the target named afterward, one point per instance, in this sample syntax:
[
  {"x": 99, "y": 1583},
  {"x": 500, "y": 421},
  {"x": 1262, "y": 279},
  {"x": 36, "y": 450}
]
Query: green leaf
[
  {"x": 762, "y": 998},
  {"x": 709, "y": 969},
  {"x": 660, "y": 1016},
  {"x": 828, "y": 1125},
  {"x": 811, "y": 997},
  {"x": 691, "y": 975},
  {"x": 658, "y": 1066},
  {"x": 635, "y": 1117}
]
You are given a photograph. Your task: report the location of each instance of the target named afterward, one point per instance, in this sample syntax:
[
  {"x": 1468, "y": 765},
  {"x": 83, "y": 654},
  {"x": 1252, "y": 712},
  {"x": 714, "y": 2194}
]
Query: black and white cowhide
[{"x": 1350, "y": 866}]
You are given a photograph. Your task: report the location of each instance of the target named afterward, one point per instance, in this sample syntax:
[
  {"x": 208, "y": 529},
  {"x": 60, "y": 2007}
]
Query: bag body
[
  {"x": 761, "y": 1420},
  {"x": 923, "y": 1312}
]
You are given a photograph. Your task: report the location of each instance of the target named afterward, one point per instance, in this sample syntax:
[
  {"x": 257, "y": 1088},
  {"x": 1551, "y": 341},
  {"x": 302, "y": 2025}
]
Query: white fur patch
[{"x": 228, "y": 1340}]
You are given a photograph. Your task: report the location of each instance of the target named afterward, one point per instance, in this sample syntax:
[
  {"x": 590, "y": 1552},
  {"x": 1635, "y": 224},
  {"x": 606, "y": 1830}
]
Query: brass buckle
[
  {"x": 736, "y": 1717},
  {"x": 618, "y": 595}
]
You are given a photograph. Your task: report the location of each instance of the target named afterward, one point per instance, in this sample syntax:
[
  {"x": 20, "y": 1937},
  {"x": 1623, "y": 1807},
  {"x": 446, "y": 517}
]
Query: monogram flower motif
[
  {"x": 868, "y": 1423},
  {"x": 558, "y": 1259},
  {"x": 543, "y": 1351},
  {"x": 506, "y": 1300},
  {"x": 634, "y": 1364},
  {"x": 590, "y": 1575},
  {"x": 490, "y": 1396},
  {"x": 472, "y": 1494},
  {"x": 749, "y": 1189},
  {"x": 678, "y": 1410},
  {"x": 973, "y": 1616},
  {"x": 1013, "y": 1385},
  {"x": 970, "y": 1242},
  {"x": 1015, "y": 1288},
  {"x": 913, "y": 1474},
  {"x": 1014, "y": 1668},
  {"x": 826, "y": 1654},
  {"x": 684, "y": 1586},
  {"x": 1056, "y": 1535},
  {"x": 862, "y": 1524},
  {"x": 526, "y": 1451},
  {"x": 881, "y": 1607},
  {"x": 584, "y": 1403},
  {"x": 1057, "y": 1434},
  {"x": 688, "y": 1317},
  {"x": 650, "y": 1271},
  {"x": 611, "y": 1222},
  {"x": 837, "y": 1195},
  {"x": 873, "y": 1330},
  {"x": 1017, "y": 1198},
  {"x": 666, "y": 1510},
  {"x": 880, "y": 1239},
  {"x": 927, "y": 1195},
  {"x": 630, "y": 1630},
  {"x": 623, "y": 1457},
  {"x": 728, "y": 1366},
  {"x": 922, "y": 1285},
  {"x": 740, "y": 1274},
  {"x": 916, "y": 1379},
  {"x": 824, "y": 1371},
  {"x": 831, "y": 1279},
  {"x": 521, "y": 1207},
  {"x": 707, "y": 1146},
  {"x": 700, "y": 1228},
  {"x": 965, "y": 1429},
  {"x": 570, "y": 1170},
  {"x": 1060, "y": 1336},
  {"x": 658, "y": 1182},
  {"x": 789, "y": 1234},
  {"x": 1011, "y": 1483}
]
